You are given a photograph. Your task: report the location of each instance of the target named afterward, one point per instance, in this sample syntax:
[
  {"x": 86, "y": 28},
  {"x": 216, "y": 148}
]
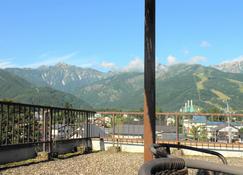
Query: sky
[{"x": 109, "y": 34}]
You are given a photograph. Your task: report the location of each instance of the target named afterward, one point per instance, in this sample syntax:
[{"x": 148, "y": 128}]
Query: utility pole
[{"x": 149, "y": 79}]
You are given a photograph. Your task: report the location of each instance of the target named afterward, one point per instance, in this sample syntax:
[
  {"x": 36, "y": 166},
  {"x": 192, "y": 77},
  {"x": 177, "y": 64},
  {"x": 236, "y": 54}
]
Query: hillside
[
  {"x": 120, "y": 91},
  {"x": 17, "y": 89},
  {"x": 206, "y": 86}
]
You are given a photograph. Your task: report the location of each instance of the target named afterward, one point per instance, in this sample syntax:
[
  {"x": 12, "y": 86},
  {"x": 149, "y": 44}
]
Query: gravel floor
[{"x": 102, "y": 163}]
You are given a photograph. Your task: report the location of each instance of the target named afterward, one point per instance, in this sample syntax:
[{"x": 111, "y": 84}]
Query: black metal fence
[{"x": 26, "y": 124}]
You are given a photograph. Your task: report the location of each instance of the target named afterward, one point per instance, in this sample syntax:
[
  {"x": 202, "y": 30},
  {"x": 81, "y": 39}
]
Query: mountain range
[
  {"x": 208, "y": 87},
  {"x": 17, "y": 89}
]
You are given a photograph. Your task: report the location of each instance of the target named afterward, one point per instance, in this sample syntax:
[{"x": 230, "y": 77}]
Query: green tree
[
  {"x": 203, "y": 136},
  {"x": 194, "y": 131}
]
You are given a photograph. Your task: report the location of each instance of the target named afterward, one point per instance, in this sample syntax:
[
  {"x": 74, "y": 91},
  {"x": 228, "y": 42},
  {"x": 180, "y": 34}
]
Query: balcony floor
[{"x": 103, "y": 163}]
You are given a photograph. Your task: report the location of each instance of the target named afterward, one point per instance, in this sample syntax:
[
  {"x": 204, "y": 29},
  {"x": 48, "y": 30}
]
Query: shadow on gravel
[{"x": 37, "y": 160}]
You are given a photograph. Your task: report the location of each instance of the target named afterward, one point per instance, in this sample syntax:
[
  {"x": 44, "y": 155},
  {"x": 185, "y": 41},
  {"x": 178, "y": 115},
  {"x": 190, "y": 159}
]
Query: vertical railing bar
[
  {"x": 24, "y": 125},
  {"x": 70, "y": 128},
  {"x": 7, "y": 124},
  {"x": 83, "y": 125},
  {"x": 54, "y": 123},
  {"x": 113, "y": 130},
  {"x": 44, "y": 129},
  {"x": 38, "y": 125},
  {"x": 59, "y": 114},
  {"x": 28, "y": 137},
  {"x": 75, "y": 124},
  {"x": 68, "y": 125},
  {"x": 61, "y": 122},
  {"x": 65, "y": 123},
  {"x": 50, "y": 129},
  {"x": 57, "y": 123},
  {"x": 72, "y": 124},
  {"x": 87, "y": 134},
  {"x": 78, "y": 124},
  {"x": 13, "y": 125},
  {"x": 1, "y": 119},
  {"x": 19, "y": 124},
  {"x": 90, "y": 124},
  {"x": 33, "y": 125}
]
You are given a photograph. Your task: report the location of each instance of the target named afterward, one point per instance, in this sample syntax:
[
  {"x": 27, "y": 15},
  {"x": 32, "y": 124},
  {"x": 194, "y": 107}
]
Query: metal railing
[
  {"x": 33, "y": 124},
  {"x": 127, "y": 127}
]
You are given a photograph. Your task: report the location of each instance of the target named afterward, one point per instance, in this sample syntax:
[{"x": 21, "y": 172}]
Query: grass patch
[
  {"x": 219, "y": 94},
  {"x": 23, "y": 163},
  {"x": 69, "y": 155},
  {"x": 202, "y": 79}
]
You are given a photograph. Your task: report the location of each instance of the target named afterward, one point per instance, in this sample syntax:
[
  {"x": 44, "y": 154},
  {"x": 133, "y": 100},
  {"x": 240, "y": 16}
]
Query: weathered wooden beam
[{"x": 149, "y": 79}]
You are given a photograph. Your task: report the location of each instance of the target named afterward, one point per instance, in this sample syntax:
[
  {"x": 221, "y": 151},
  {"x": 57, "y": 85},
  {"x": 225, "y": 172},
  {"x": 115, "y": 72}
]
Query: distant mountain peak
[
  {"x": 232, "y": 66},
  {"x": 62, "y": 65}
]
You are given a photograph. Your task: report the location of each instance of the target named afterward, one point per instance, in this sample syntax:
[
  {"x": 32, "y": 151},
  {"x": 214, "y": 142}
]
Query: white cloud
[
  {"x": 52, "y": 60},
  {"x": 134, "y": 65},
  {"x": 108, "y": 65},
  {"x": 238, "y": 59},
  {"x": 171, "y": 60},
  {"x": 5, "y": 63},
  {"x": 205, "y": 44},
  {"x": 197, "y": 59}
]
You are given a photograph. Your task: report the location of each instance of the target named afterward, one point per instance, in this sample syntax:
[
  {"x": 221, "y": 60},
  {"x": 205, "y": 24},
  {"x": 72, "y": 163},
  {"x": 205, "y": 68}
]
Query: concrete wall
[
  {"x": 63, "y": 147},
  {"x": 138, "y": 148},
  {"x": 15, "y": 154}
]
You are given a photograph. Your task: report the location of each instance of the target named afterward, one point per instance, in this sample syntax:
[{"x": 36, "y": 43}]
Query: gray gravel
[{"x": 102, "y": 163}]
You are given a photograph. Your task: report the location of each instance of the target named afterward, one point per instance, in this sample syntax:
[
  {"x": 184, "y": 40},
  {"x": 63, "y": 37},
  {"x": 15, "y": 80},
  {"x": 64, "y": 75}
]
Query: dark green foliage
[{"x": 173, "y": 88}]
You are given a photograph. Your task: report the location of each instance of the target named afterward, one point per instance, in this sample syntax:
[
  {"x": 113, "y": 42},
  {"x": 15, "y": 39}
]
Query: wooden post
[{"x": 149, "y": 79}]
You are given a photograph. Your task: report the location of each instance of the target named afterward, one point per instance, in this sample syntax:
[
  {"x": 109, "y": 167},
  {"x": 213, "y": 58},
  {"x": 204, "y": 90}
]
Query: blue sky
[{"x": 108, "y": 34}]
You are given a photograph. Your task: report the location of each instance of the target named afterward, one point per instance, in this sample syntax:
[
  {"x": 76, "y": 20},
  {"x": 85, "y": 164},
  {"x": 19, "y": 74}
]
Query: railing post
[
  {"x": 87, "y": 125},
  {"x": 45, "y": 127},
  {"x": 1, "y": 119},
  {"x": 50, "y": 117},
  {"x": 149, "y": 79}
]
